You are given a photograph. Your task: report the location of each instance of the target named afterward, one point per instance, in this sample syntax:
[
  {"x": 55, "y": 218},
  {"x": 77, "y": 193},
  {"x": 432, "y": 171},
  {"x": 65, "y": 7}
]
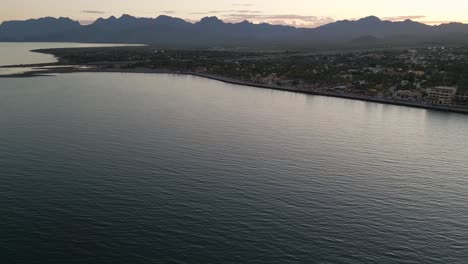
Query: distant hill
[
  {"x": 365, "y": 40},
  {"x": 211, "y": 31},
  {"x": 373, "y": 26},
  {"x": 36, "y": 28}
]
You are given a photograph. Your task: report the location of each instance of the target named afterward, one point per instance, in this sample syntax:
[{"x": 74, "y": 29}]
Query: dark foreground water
[{"x": 133, "y": 168}]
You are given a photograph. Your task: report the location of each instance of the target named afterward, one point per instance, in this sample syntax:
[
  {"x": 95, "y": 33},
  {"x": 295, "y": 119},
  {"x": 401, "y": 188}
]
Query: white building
[{"x": 441, "y": 95}]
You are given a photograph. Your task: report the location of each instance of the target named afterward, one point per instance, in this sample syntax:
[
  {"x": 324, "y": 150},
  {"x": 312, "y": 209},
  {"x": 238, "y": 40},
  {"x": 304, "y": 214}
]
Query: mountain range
[{"x": 211, "y": 31}]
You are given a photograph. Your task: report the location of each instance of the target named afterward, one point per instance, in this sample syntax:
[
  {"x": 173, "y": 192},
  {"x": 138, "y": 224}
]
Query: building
[
  {"x": 461, "y": 99},
  {"x": 418, "y": 73},
  {"x": 339, "y": 88},
  {"x": 441, "y": 95},
  {"x": 270, "y": 79},
  {"x": 200, "y": 69},
  {"x": 407, "y": 95}
]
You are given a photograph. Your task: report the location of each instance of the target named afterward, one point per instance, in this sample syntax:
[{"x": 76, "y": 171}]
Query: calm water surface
[
  {"x": 135, "y": 168},
  {"x": 14, "y": 53}
]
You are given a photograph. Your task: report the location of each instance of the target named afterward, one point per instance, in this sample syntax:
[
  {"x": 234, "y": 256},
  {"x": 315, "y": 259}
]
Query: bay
[{"x": 157, "y": 168}]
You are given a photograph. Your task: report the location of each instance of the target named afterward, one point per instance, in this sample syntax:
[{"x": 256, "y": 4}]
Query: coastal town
[{"x": 425, "y": 76}]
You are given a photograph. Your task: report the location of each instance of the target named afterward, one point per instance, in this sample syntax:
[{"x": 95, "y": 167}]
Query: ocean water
[
  {"x": 16, "y": 53},
  {"x": 154, "y": 168}
]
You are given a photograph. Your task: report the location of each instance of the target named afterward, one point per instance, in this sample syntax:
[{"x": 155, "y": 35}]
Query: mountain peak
[
  {"x": 104, "y": 20},
  {"x": 126, "y": 17},
  {"x": 211, "y": 20},
  {"x": 213, "y": 31},
  {"x": 370, "y": 19},
  {"x": 168, "y": 18},
  {"x": 164, "y": 17}
]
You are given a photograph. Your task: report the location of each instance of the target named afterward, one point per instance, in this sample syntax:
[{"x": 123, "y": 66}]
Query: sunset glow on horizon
[{"x": 300, "y": 13}]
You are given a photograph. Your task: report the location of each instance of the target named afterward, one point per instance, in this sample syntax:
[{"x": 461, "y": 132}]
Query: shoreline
[
  {"x": 64, "y": 69},
  {"x": 335, "y": 95}
]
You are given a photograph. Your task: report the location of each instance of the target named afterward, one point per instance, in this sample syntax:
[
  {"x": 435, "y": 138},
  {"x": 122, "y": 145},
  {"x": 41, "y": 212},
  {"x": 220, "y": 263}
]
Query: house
[
  {"x": 407, "y": 95},
  {"x": 418, "y": 73},
  {"x": 461, "y": 99},
  {"x": 270, "y": 79}
]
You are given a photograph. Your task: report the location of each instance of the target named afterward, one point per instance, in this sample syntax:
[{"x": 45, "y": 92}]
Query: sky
[{"x": 300, "y": 13}]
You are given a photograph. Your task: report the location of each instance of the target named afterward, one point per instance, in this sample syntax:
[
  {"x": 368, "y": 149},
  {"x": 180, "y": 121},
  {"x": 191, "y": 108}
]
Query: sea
[{"x": 158, "y": 168}]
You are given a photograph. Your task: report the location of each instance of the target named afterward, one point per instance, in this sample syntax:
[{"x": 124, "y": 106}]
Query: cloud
[
  {"x": 214, "y": 12},
  {"x": 208, "y": 13},
  {"x": 239, "y": 15},
  {"x": 401, "y": 18},
  {"x": 421, "y": 19},
  {"x": 242, "y": 4},
  {"x": 249, "y": 11},
  {"x": 440, "y": 22},
  {"x": 92, "y": 12},
  {"x": 193, "y": 21},
  {"x": 289, "y": 20},
  {"x": 86, "y": 22},
  {"x": 169, "y": 12}
]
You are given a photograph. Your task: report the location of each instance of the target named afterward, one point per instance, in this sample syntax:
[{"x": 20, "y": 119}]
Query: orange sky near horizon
[{"x": 301, "y": 13}]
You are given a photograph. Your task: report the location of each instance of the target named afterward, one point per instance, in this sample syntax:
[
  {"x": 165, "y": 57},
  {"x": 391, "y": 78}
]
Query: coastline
[
  {"x": 48, "y": 71},
  {"x": 336, "y": 95}
]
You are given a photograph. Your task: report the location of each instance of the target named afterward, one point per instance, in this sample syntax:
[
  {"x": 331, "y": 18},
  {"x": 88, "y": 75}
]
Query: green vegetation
[{"x": 377, "y": 73}]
